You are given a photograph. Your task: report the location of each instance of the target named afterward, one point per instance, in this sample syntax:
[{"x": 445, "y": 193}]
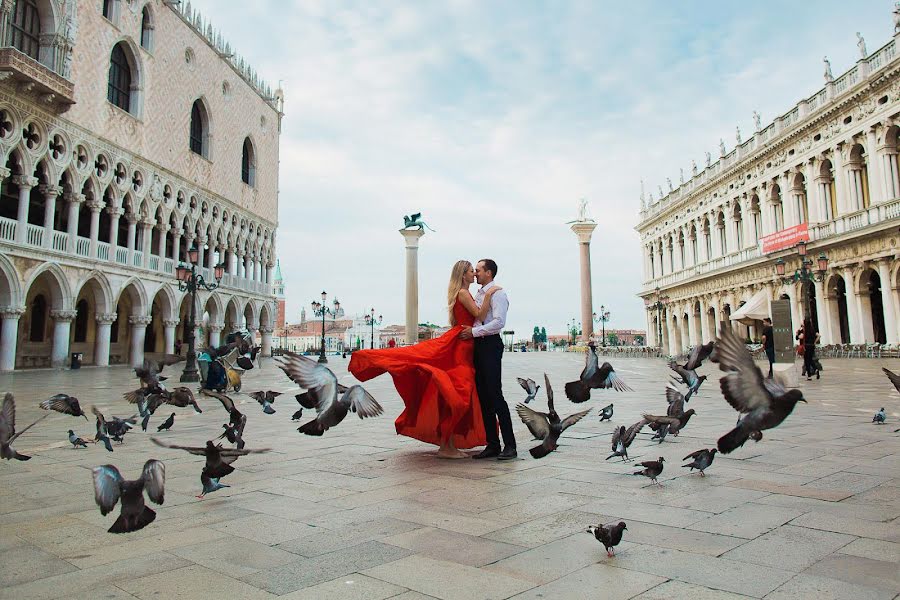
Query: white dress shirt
[{"x": 495, "y": 319}]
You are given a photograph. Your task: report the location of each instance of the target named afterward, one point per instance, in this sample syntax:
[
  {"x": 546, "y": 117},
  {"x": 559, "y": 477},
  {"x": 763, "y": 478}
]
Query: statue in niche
[
  {"x": 861, "y": 45},
  {"x": 415, "y": 220},
  {"x": 828, "y": 76},
  {"x": 757, "y": 121}
]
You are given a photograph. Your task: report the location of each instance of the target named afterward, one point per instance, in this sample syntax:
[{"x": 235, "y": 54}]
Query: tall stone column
[
  {"x": 853, "y": 314},
  {"x": 50, "y": 193},
  {"x": 705, "y": 335},
  {"x": 169, "y": 326},
  {"x": 583, "y": 230},
  {"x": 692, "y": 325},
  {"x": 266, "y": 340},
  {"x": 62, "y": 322},
  {"x": 74, "y": 204},
  {"x": 138, "y": 333},
  {"x": 874, "y": 164},
  {"x": 411, "y": 240},
  {"x": 101, "y": 342},
  {"x": 9, "y": 333},
  {"x": 887, "y": 301},
  {"x": 823, "y": 314},
  {"x": 114, "y": 214},
  {"x": 161, "y": 243},
  {"x": 25, "y": 184},
  {"x": 176, "y": 245},
  {"x": 673, "y": 337},
  {"x": 95, "y": 228}
]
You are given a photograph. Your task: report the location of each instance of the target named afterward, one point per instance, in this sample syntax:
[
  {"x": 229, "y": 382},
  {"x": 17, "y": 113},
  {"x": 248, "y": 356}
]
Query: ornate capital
[
  {"x": 140, "y": 320},
  {"x": 4, "y": 172},
  {"x": 24, "y": 181},
  {"x": 12, "y": 312},
  {"x": 72, "y": 197},
  {"x": 266, "y": 330},
  {"x": 178, "y": 232},
  {"x": 171, "y": 322},
  {"x": 96, "y": 207},
  {"x": 106, "y": 318},
  {"x": 50, "y": 190},
  {"x": 216, "y": 326},
  {"x": 63, "y": 315},
  {"x": 115, "y": 212},
  {"x": 162, "y": 227}
]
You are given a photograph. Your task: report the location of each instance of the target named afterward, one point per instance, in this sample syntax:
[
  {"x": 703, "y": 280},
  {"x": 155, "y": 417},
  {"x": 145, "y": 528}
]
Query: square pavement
[{"x": 811, "y": 511}]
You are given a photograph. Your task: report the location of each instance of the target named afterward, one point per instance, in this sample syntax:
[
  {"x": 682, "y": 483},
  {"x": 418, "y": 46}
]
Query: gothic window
[
  {"x": 38, "y": 319},
  {"x": 26, "y": 27},
  {"x": 118, "y": 89},
  {"x": 146, "y": 29},
  {"x": 81, "y": 321},
  {"x": 248, "y": 163},
  {"x": 198, "y": 128}
]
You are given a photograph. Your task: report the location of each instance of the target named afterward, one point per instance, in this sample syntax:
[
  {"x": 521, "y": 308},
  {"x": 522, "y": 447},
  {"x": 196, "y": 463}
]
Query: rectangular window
[{"x": 26, "y": 28}]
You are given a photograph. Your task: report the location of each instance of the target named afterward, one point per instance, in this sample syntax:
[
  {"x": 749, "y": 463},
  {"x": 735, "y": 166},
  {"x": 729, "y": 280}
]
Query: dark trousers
[
  {"x": 770, "y": 354},
  {"x": 809, "y": 353},
  {"x": 488, "y": 357}
]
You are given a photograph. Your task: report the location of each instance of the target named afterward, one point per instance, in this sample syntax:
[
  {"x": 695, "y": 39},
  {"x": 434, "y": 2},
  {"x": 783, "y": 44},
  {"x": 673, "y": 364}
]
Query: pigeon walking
[
  {"x": 763, "y": 402},
  {"x": 65, "y": 404},
  {"x": 622, "y": 439},
  {"x": 110, "y": 487},
  {"x": 652, "y": 469},
  {"x": 530, "y": 388},
  {"x": 607, "y": 413},
  {"x": 701, "y": 459},
  {"x": 8, "y": 429},
  {"x": 218, "y": 459},
  {"x": 608, "y": 535},
  {"x": 266, "y": 399},
  {"x": 298, "y": 414},
  {"x": 880, "y": 417},
  {"x": 76, "y": 441},
  {"x": 167, "y": 424},
  {"x": 594, "y": 377},
  {"x": 547, "y": 426},
  {"x": 322, "y": 388}
]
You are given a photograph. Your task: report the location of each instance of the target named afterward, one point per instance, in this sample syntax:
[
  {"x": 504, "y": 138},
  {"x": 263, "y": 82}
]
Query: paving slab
[
  {"x": 353, "y": 586},
  {"x": 790, "y": 548},
  {"x": 456, "y": 547},
  {"x": 860, "y": 570},
  {"x": 747, "y": 521},
  {"x": 191, "y": 583},
  {"x": 826, "y": 588}
]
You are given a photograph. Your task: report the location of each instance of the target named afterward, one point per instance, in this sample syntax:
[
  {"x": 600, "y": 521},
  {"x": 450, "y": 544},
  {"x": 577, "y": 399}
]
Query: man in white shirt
[{"x": 488, "y": 358}]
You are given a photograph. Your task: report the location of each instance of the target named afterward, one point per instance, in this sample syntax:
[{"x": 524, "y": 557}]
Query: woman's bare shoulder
[{"x": 463, "y": 292}]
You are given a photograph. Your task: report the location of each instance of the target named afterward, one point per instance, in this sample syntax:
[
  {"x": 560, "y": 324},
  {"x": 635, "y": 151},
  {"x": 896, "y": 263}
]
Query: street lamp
[
  {"x": 603, "y": 317},
  {"x": 190, "y": 280},
  {"x": 573, "y": 329},
  {"x": 371, "y": 321},
  {"x": 658, "y": 305},
  {"x": 804, "y": 274},
  {"x": 320, "y": 310}
]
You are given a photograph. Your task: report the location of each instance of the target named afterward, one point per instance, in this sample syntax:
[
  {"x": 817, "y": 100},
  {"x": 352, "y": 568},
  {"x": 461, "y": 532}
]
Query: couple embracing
[{"x": 451, "y": 385}]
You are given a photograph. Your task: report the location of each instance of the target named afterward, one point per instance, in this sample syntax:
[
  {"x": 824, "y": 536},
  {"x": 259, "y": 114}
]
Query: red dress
[{"x": 436, "y": 379}]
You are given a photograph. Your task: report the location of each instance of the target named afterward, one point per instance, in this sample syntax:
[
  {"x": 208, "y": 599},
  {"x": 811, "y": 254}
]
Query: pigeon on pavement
[
  {"x": 110, "y": 488},
  {"x": 76, "y": 441},
  {"x": 530, "y": 388},
  {"x": 608, "y": 535},
  {"x": 594, "y": 377},
  {"x": 102, "y": 431},
  {"x": 65, "y": 404},
  {"x": 880, "y": 417},
  {"x": 547, "y": 426},
  {"x": 8, "y": 429},
  {"x": 167, "y": 424},
  {"x": 622, "y": 439},
  {"x": 701, "y": 460},
  {"x": 607, "y": 413},
  {"x": 652, "y": 469},
  {"x": 763, "y": 402}
]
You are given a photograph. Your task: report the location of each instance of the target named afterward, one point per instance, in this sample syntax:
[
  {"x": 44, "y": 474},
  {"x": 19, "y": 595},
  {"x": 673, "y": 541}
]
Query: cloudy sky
[{"x": 493, "y": 118}]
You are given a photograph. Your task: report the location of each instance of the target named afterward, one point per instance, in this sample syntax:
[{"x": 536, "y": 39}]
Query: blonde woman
[{"x": 436, "y": 378}]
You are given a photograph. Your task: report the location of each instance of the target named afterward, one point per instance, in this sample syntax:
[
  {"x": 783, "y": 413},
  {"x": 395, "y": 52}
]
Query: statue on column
[
  {"x": 584, "y": 215},
  {"x": 415, "y": 220},
  {"x": 721, "y": 147},
  {"x": 708, "y": 159},
  {"x": 737, "y": 134}
]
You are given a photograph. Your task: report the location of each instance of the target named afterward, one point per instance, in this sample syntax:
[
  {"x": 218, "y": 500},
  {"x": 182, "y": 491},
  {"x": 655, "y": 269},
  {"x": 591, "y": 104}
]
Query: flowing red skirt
[{"x": 436, "y": 379}]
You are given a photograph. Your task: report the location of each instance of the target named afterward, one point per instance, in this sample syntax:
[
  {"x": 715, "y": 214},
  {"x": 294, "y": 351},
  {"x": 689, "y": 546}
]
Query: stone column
[
  {"x": 853, "y": 316},
  {"x": 211, "y": 258},
  {"x": 50, "y": 193},
  {"x": 650, "y": 340},
  {"x": 704, "y": 322},
  {"x": 176, "y": 245},
  {"x": 138, "y": 333},
  {"x": 201, "y": 251},
  {"x": 796, "y": 312},
  {"x": 114, "y": 214},
  {"x": 95, "y": 228},
  {"x": 60, "y": 350},
  {"x": 673, "y": 341},
  {"x": 874, "y": 166},
  {"x": 411, "y": 240},
  {"x": 823, "y": 313},
  {"x": 161, "y": 243},
  {"x": 247, "y": 268},
  {"x": 692, "y": 325},
  {"x": 266, "y": 333},
  {"x": 583, "y": 231},
  {"x": 169, "y": 326},
  {"x": 840, "y": 182},
  {"x": 887, "y": 301},
  {"x": 146, "y": 240},
  {"x": 101, "y": 342},
  {"x": 215, "y": 333},
  {"x": 890, "y": 174},
  {"x": 74, "y": 204},
  {"x": 813, "y": 192},
  {"x": 25, "y": 184},
  {"x": 9, "y": 333}
]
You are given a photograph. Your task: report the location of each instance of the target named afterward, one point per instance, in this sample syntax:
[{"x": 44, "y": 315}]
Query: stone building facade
[
  {"x": 826, "y": 169},
  {"x": 130, "y": 132}
]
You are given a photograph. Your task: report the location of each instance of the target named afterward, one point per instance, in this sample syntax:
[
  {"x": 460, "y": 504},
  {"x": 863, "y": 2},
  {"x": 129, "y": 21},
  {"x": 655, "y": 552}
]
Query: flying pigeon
[
  {"x": 607, "y": 413},
  {"x": 689, "y": 378},
  {"x": 218, "y": 459},
  {"x": 115, "y": 428},
  {"x": 265, "y": 399},
  {"x": 530, "y": 388},
  {"x": 236, "y": 419},
  {"x": 675, "y": 419},
  {"x": 102, "y": 431},
  {"x": 233, "y": 435},
  {"x": 622, "y": 439},
  {"x": 167, "y": 424},
  {"x": 702, "y": 459},
  {"x": 763, "y": 402},
  {"x": 547, "y": 426},
  {"x": 652, "y": 469},
  {"x": 209, "y": 484},
  {"x": 8, "y": 429},
  {"x": 76, "y": 441},
  {"x": 594, "y": 377},
  {"x": 608, "y": 535},
  {"x": 698, "y": 354},
  {"x": 150, "y": 369},
  {"x": 182, "y": 397},
  {"x": 322, "y": 387},
  {"x": 880, "y": 417},
  {"x": 110, "y": 487},
  {"x": 65, "y": 404},
  {"x": 895, "y": 379}
]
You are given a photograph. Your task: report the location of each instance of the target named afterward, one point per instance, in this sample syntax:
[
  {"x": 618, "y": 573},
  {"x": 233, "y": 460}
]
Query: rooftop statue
[
  {"x": 415, "y": 220},
  {"x": 828, "y": 76},
  {"x": 861, "y": 44},
  {"x": 737, "y": 134},
  {"x": 757, "y": 121},
  {"x": 896, "y": 17}
]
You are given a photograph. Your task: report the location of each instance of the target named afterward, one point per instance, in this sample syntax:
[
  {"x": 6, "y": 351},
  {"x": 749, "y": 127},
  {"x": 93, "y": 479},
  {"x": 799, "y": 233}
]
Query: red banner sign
[{"x": 786, "y": 238}]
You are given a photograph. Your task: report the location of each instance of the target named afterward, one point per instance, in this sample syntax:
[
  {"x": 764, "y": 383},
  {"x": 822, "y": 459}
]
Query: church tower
[{"x": 279, "y": 297}]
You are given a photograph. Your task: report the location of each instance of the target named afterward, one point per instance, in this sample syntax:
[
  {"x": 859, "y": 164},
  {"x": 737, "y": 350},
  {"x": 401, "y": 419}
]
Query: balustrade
[
  {"x": 60, "y": 241},
  {"x": 7, "y": 229},
  {"x": 34, "y": 235},
  {"x": 82, "y": 246},
  {"x": 121, "y": 255},
  {"x": 103, "y": 250}
]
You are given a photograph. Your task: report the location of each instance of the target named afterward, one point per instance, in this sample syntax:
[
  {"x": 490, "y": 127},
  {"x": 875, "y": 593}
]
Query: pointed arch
[
  {"x": 100, "y": 288},
  {"x": 137, "y": 293},
  {"x": 10, "y": 288},
  {"x": 61, "y": 291}
]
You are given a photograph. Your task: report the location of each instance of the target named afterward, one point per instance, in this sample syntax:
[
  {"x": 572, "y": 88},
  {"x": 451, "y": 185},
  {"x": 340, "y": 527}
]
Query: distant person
[
  {"x": 178, "y": 346},
  {"x": 810, "y": 337},
  {"x": 768, "y": 343}
]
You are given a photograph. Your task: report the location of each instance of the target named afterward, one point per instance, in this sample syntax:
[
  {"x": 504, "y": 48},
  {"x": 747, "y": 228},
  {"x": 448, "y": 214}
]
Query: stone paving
[{"x": 812, "y": 511}]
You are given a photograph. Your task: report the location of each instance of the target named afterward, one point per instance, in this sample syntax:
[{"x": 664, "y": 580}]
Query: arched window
[
  {"x": 248, "y": 163},
  {"x": 38, "y": 319},
  {"x": 81, "y": 321},
  {"x": 26, "y": 28},
  {"x": 146, "y": 29},
  {"x": 118, "y": 90},
  {"x": 198, "y": 128}
]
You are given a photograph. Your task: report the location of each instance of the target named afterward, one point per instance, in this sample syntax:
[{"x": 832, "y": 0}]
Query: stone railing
[
  {"x": 7, "y": 229},
  {"x": 103, "y": 250},
  {"x": 82, "y": 246},
  {"x": 121, "y": 255},
  {"x": 60, "y": 241},
  {"x": 34, "y": 235}
]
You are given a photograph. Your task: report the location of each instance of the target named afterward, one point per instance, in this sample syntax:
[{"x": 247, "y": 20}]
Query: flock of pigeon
[{"x": 762, "y": 403}]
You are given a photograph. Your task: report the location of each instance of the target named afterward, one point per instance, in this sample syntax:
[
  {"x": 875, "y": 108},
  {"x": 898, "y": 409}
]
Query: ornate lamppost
[
  {"x": 190, "y": 280},
  {"x": 602, "y": 317},
  {"x": 371, "y": 321},
  {"x": 804, "y": 274},
  {"x": 320, "y": 310},
  {"x": 573, "y": 329},
  {"x": 658, "y": 305}
]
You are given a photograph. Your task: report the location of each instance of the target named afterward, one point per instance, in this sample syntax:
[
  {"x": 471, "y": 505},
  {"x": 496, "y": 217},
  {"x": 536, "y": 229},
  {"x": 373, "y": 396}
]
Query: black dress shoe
[
  {"x": 488, "y": 452},
  {"x": 507, "y": 454}
]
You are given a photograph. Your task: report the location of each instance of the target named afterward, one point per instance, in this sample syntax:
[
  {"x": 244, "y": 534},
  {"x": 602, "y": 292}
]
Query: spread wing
[
  {"x": 590, "y": 363},
  {"x": 361, "y": 402},
  {"x": 606, "y": 378},
  {"x": 662, "y": 420},
  {"x": 528, "y": 385},
  {"x": 681, "y": 371},
  {"x": 62, "y": 403},
  {"x": 698, "y": 354},
  {"x": 895, "y": 379},
  {"x": 743, "y": 386},
  {"x": 312, "y": 376},
  {"x": 106, "y": 487},
  {"x": 675, "y": 400},
  {"x": 183, "y": 395},
  {"x": 572, "y": 419},
  {"x": 191, "y": 449},
  {"x": 101, "y": 421},
  {"x": 632, "y": 431},
  {"x": 618, "y": 435},
  {"x": 227, "y": 402},
  {"x": 258, "y": 396},
  {"x": 549, "y": 391},
  {"x": 695, "y": 455},
  {"x": 234, "y": 452},
  {"x": 154, "y": 476},
  {"x": 7, "y": 419},
  {"x": 536, "y": 422}
]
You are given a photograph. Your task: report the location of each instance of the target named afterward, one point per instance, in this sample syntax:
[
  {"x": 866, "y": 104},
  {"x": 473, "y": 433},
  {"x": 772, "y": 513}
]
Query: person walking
[
  {"x": 809, "y": 340},
  {"x": 768, "y": 343}
]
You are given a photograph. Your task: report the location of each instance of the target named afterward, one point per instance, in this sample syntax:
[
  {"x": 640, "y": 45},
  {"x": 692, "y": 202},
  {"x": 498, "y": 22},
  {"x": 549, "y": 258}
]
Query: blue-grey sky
[{"x": 494, "y": 118}]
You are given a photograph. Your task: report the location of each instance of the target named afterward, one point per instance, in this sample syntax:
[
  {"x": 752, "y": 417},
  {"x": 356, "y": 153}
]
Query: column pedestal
[
  {"x": 583, "y": 230},
  {"x": 101, "y": 344},
  {"x": 411, "y": 238},
  {"x": 8, "y": 337},
  {"x": 62, "y": 324}
]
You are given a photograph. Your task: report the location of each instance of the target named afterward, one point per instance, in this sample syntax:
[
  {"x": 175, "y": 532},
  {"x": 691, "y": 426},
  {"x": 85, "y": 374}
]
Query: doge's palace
[
  {"x": 826, "y": 171},
  {"x": 130, "y": 132}
]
